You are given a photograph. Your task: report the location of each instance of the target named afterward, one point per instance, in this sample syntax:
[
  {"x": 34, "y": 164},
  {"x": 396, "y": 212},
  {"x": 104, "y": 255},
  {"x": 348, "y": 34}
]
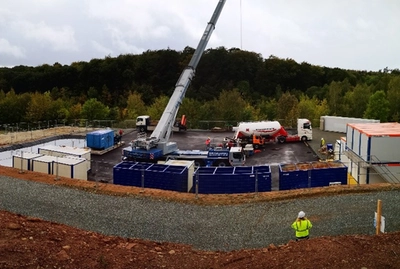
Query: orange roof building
[{"x": 378, "y": 144}]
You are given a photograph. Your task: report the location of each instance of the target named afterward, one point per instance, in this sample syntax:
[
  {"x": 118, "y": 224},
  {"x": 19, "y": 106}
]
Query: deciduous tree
[
  {"x": 378, "y": 107},
  {"x": 288, "y": 109},
  {"x": 39, "y": 107},
  {"x": 157, "y": 108},
  {"x": 135, "y": 105},
  {"x": 94, "y": 110},
  {"x": 393, "y": 95}
]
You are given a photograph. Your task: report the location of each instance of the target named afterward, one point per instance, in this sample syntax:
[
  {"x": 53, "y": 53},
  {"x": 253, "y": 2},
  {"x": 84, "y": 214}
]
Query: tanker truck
[{"x": 259, "y": 133}]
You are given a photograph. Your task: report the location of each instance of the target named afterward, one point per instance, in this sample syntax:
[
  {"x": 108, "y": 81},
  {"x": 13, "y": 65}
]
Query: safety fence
[
  {"x": 10, "y": 138},
  {"x": 47, "y": 124}
]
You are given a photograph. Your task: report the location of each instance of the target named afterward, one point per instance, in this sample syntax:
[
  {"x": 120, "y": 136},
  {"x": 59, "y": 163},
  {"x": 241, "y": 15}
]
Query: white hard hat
[{"x": 301, "y": 214}]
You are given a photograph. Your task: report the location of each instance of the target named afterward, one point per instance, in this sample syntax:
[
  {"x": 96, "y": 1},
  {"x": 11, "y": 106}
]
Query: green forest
[{"x": 231, "y": 85}]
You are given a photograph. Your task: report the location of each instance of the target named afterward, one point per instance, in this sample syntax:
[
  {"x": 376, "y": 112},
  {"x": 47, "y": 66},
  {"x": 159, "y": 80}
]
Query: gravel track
[{"x": 225, "y": 228}]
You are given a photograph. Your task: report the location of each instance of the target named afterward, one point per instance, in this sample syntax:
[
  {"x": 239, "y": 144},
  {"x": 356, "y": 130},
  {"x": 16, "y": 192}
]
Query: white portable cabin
[
  {"x": 69, "y": 167},
  {"x": 338, "y": 124},
  {"x": 190, "y": 167},
  {"x": 63, "y": 151},
  {"x": 340, "y": 148},
  {"x": 373, "y": 149},
  {"x": 23, "y": 160}
]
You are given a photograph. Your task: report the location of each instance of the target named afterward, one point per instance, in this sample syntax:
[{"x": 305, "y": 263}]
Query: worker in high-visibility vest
[
  {"x": 322, "y": 142},
  {"x": 302, "y": 226}
]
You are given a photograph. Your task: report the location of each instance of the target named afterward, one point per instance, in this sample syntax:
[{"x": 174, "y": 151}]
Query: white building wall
[
  {"x": 363, "y": 150},
  {"x": 354, "y": 171},
  {"x": 349, "y": 137},
  {"x": 386, "y": 148},
  {"x": 338, "y": 124},
  {"x": 356, "y": 141},
  {"x": 41, "y": 166},
  {"x": 340, "y": 148},
  {"x": 77, "y": 170},
  {"x": 377, "y": 175},
  {"x": 362, "y": 177},
  {"x": 80, "y": 171}
]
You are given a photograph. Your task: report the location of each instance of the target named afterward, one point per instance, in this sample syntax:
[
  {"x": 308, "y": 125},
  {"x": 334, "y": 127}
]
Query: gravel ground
[{"x": 205, "y": 227}]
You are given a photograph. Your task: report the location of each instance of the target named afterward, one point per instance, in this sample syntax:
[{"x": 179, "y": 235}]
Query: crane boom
[{"x": 161, "y": 134}]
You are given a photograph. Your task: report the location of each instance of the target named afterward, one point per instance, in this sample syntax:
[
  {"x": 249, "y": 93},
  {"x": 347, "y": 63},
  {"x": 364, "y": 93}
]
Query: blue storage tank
[
  {"x": 100, "y": 139},
  {"x": 291, "y": 177}
]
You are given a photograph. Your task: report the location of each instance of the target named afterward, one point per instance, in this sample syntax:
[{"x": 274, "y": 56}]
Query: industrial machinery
[
  {"x": 158, "y": 146},
  {"x": 261, "y": 132}
]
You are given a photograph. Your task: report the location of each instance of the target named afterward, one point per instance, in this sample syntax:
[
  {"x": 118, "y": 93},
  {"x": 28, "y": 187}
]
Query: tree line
[{"x": 230, "y": 85}]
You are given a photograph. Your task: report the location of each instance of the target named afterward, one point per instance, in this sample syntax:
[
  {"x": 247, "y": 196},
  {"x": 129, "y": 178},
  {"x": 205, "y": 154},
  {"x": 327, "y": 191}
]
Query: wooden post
[{"x": 378, "y": 217}]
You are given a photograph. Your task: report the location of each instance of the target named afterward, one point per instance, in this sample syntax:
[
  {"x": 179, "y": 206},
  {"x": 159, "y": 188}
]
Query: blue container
[
  {"x": 206, "y": 170},
  {"x": 229, "y": 180},
  {"x": 159, "y": 176},
  {"x": 262, "y": 169},
  {"x": 150, "y": 175},
  {"x": 290, "y": 177},
  {"x": 123, "y": 174},
  {"x": 324, "y": 174},
  {"x": 340, "y": 172},
  {"x": 101, "y": 139},
  {"x": 224, "y": 170},
  {"x": 320, "y": 174},
  {"x": 243, "y": 170}
]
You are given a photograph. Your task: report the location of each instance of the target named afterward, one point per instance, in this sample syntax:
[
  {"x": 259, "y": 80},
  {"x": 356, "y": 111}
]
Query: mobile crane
[{"x": 157, "y": 146}]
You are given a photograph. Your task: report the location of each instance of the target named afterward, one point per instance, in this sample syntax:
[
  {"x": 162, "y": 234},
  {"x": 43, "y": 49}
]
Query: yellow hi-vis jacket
[{"x": 302, "y": 227}]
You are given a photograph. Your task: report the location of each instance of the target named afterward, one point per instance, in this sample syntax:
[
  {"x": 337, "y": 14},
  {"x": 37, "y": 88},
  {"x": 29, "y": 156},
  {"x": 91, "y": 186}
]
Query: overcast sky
[{"x": 349, "y": 34}]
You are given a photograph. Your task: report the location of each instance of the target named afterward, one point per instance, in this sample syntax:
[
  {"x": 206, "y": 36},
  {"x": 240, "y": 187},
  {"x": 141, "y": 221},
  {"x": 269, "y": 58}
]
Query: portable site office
[
  {"x": 372, "y": 150},
  {"x": 24, "y": 160},
  {"x": 69, "y": 167},
  {"x": 63, "y": 151}
]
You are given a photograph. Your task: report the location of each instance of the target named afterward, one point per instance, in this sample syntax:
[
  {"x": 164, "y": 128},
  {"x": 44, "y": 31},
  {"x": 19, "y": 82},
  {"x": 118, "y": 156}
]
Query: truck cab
[
  {"x": 144, "y": 123},
  {"x": 236, "y": 156},
  {"x": 304, "y": 129}
]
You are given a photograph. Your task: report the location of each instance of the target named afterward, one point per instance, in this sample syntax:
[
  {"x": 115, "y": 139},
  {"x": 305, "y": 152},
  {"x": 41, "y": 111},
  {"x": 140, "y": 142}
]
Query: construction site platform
[{"x": 103, "y": 151}]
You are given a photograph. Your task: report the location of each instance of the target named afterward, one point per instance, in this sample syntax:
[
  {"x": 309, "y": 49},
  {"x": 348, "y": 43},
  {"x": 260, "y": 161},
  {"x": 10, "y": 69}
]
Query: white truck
[
  {"x": 259, "y": 133},
  {"x": 145, "y": 124}
]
